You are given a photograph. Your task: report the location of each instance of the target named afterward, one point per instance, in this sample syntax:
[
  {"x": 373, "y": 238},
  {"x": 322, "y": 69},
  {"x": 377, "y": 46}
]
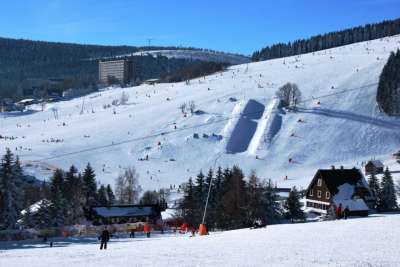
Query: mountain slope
[{"x": 345, "y": 128}]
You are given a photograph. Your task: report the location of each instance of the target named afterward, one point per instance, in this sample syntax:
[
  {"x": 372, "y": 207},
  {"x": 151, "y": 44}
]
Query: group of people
[
  {"x": 342, "y": 213},
  {"x": 105, "y": 235}
]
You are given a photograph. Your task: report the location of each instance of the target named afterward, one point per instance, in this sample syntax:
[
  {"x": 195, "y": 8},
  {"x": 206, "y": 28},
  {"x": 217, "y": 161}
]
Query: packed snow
[
  {"x": 337, "y": 123},
  {"x": 370, "y": 241}
]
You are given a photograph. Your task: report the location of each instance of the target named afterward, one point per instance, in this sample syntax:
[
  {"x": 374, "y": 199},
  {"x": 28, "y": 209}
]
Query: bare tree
[
  {"x": 289, "y": 94},
  {"x": 192, "y": 106},
  {"x": 127, "y": 188},
  {"x": 183, "y": 107}
]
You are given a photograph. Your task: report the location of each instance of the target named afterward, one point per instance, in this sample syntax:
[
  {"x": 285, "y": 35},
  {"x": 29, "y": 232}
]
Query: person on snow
[
  {"x": 147, "y": 229},
  {"x": 132, "y": 234},
  {"x": 105, "y": 237},
  {"x": 346, "y": 212},
  {"x": 339, "y": 211}
]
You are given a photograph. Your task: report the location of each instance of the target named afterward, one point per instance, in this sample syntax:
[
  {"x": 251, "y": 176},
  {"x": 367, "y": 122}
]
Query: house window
[
  {"x": 311, "y": 193},
  {"x": 319, "y": 193},
  {"x": 328, "y": 195},
  {"x": 319, "y": 182}
]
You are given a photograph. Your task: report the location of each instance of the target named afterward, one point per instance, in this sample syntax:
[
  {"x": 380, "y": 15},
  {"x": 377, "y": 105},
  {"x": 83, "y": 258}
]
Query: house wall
[
  {"x": 370, "y": 168},
  {"x": 316, "y": 196},
  {"x": 315, "y": 188}
]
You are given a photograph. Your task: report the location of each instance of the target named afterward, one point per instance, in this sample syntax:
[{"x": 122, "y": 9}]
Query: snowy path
[{"x": 371, "y": 241}]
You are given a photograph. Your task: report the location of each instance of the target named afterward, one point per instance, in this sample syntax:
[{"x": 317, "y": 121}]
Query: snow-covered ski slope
[
  {"x": 371, "y": 241},
  {"x": 344, "y": 129}
]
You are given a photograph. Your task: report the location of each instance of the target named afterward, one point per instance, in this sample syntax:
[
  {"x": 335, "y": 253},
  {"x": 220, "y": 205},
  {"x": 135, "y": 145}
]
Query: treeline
[
  {"x": 194, "y": 70},
  {"x": 233, "y": 202},
  {"x": 329, "y": 40},
  {"x": 384, "y": 191},
  {"x": 67, "y": 198},
  {"x": 388, "y": 94},
  {"x": 26, "y": 64}
]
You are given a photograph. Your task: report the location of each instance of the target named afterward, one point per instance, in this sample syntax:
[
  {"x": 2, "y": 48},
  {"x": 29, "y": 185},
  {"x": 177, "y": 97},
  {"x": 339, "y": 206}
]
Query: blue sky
[{"x": 227, "y": 25}]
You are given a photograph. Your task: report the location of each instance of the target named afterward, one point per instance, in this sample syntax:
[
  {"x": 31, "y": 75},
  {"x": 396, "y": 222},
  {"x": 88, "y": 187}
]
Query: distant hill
[{"x": 23, "y": 63}]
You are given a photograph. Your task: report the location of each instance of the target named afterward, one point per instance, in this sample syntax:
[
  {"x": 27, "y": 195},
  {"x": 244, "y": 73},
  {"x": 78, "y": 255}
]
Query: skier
[
  {"x": 147, "y": 229},
  {"x": 105, "y": 237},
  {"x": 346, "y": 212},
  {"x": 339, "y": 211},
  {"x": 132, "y": 234}
]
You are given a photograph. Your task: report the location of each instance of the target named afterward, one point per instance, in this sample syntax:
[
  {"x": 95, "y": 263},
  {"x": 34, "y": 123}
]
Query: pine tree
[
  {"x": 199, "y": 197},
  {"x": 256, "y": 209},
  {"x": 10, "y": 179},
  {"x": 374, "y": 187},
  {"x": 188, "y": 205},
  {"x": 293, "y": 206},
  {"x": 89, "y": 191},
  {"x": 73, "y": 195},
  {"x": 388, "y": 93},
  {"x": 272, "y": 207},
  {"x": 234, "y": 199},
  {"x": 216, "y": 210},
  {"x": 102, "y": 196},
  {"x": 387, "y": 194},
  {"x": 110, "y": 195},
  {"x": 43, "y": 217},
  {"x": 58, "y": 208}
]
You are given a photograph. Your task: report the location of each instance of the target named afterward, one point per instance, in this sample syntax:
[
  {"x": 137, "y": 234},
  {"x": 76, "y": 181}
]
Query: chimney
[
  {"x": 341, "y": 167},
  {"x": 332, "y": 167}
]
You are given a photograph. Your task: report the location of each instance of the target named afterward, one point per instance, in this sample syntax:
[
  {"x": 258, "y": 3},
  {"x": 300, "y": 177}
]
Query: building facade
[
  {"x": 116, "y": 71},
  {"x": 334, "y": 187},
  {"x": 374, "y": 167},
  {"x": 120, "y": 214}
]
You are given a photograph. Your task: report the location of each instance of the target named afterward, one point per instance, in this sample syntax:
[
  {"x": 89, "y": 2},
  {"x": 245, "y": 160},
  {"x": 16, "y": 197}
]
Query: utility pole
[{"x": 149, "y": 41}]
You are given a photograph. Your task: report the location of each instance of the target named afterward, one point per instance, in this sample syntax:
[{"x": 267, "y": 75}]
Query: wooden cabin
[
  {"x": 374, "y": 166},
  {"x": 332, "y": 187},
  {"x": 127, "y": 214}
]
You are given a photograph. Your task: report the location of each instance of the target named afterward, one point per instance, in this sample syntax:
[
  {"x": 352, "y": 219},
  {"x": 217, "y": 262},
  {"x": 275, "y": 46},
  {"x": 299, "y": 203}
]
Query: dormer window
[{"x": 319, "y": 182}]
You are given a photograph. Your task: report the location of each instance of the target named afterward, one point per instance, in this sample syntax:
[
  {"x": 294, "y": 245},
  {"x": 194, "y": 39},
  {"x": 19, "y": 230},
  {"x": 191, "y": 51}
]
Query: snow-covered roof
[
  {"x": 27, "y": 100},
  {"x": 125, "y": 211},
  {"x": 353, "y": 204},
  {"x": 168, "y": 214},
  {"x": 36, "y": 206},
  {"x": 344, "y": 197}
]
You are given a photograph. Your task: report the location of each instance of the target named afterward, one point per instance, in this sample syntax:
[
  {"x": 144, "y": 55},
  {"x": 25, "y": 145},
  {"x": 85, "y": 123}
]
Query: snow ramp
[
  {"x": 245, "y": 127},
  {"x": 266, "y": 127}
]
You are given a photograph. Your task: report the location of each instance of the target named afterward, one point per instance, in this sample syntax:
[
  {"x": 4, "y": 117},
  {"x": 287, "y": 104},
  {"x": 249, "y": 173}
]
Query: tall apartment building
[{"x": 116, "y": 70}]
